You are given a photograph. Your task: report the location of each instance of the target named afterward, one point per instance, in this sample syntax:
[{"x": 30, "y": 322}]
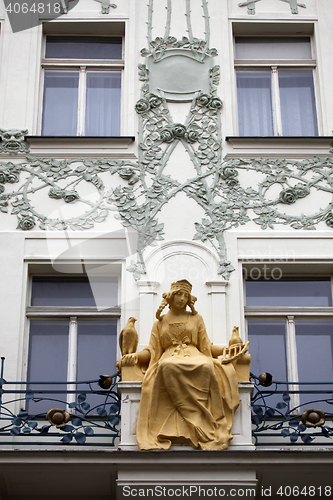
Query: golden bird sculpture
[
  {"x": 128, "y": 338},
  {"x": 235, "y": 338}
]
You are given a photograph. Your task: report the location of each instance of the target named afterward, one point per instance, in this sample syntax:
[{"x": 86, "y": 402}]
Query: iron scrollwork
[{"x": 300, "y": 424}]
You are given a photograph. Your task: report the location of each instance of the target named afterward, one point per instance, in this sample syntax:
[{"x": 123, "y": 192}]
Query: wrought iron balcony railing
[
  {"x": 59, "y": 413},
  {"x": 291, "y": 413},
  {"x": 86, "y": 413}
]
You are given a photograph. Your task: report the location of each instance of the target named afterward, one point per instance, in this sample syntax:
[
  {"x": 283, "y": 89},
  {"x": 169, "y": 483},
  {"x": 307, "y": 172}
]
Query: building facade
[{"x": 145, "y": 142}]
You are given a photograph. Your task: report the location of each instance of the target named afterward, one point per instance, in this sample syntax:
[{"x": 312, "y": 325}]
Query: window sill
[
  {"x": 65, "y": 312},
  {"x": 51, "y": 146},
  {"x": 279, "y": 146},
  {"x": 281, "y": 311}
]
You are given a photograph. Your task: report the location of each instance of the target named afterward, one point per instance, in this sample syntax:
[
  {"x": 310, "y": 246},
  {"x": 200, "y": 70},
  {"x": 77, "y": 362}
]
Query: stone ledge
[
  {"x": 279, "y": 146},
  {"x": 69, "y": 147}
]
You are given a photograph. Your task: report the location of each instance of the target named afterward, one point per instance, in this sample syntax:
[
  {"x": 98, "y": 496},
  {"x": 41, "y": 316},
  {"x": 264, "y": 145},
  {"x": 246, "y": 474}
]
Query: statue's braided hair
[{"x": 167, "y": 299}]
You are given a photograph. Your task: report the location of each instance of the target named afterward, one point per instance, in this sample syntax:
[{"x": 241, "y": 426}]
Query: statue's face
[{"x": 180, "y": 299}]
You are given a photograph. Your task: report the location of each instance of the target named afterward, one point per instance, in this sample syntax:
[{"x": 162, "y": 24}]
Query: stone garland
[
  {"x": 215, "y": 187},
  {"x": 47, "y": 174},
  {"x": 159, "y": 45}
]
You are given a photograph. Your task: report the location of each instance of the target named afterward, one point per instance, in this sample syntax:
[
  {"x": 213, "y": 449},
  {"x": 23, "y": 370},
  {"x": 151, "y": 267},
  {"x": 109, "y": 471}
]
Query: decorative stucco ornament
[
  {"x": 64, "y": 5},
  {"x": 250, "y": 4},
  {"x": 106, "y": 6},
  {"x": 159, "y": 46},
  {"x": 44, "y": 174},
  {"x": 136, "y": 192},
  {"x": 216, "y": 186},
  {"x": 179, "y": 71},
  {"x": 13, "y": 141},
  {"x": 183, "y": 389}
]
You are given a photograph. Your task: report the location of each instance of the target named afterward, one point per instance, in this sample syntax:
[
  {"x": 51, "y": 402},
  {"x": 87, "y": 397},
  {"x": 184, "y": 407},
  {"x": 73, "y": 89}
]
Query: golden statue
[{"x": 188, "y": 395}]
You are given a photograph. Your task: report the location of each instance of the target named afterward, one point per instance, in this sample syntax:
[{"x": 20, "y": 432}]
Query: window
[
  {"x": 82, "y": 86},
  {"x": 275, "y": 86},
  {"x": 70, "y": 339},
  {"x": 290, "y": 328}
]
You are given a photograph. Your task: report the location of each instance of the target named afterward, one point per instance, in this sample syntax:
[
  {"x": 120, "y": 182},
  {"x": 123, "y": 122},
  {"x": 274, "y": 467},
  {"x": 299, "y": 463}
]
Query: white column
[
  {"x": 242, "y": 427},
  {"x": 130, "y": 394},
  {"x": 82, "y": 100},
  {"x": 217, "y": 291},
  {"x": 292, "y": 361},
  {"x": 72, "y": 357},
  {"x": 147, "y": 293},
  {"x": 276, "y": 102}
]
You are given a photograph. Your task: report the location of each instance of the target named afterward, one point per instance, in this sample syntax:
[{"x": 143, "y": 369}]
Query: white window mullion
[
  {"x": 276, "y": 102},
  {"x": 82, "y": 100},
  {"x": 72, "y": 357},
  {"x": 292, "y": 361}
]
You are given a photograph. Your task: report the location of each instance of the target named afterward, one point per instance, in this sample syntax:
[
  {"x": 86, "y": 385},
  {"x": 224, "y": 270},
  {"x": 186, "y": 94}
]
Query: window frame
[
  {"x": 290, "y": 314},
  {"x": 82, "y": 66},
  {"x": 72, "y": 314},
  {"x": 275, "y": 65}
]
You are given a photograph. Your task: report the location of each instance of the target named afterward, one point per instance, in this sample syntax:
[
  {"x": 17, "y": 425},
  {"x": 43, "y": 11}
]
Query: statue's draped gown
[{"x": 187, "y": 396}]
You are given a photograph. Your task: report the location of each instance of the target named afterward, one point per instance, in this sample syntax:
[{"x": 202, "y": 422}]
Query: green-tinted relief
[
  {"x": 13, "y": 141},
  {"x": 251, "y": 5},
  {"x": 215, "y": 185}
]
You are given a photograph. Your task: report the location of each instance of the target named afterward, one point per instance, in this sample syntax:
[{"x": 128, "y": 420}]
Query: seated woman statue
[{"x": 188, "y": 396}]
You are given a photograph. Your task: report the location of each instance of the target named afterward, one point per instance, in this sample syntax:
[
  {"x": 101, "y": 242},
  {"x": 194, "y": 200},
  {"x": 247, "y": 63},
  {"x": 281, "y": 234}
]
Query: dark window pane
[
  {"x": 298, "y": 106},
  {"x": 255, "y": 116},
  {"x": 103, "y": 103},
  {"x": 268, "y": 352},
  {"x": 83, "y": 47},
  {"x": 293, "y": 293},
  {"x": 48, "y": 356},
  {"x": 96, "y": 352},
  {"x": 60, "y": 104},
  {"x": 267, "y": 347},
  {"x": 96, "y": 292},
  {"x": 314, "y": 341}
]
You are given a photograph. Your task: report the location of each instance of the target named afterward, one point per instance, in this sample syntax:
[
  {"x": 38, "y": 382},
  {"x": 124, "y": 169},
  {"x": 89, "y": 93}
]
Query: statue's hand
[
  {"x": 140, "y": 358},
  {"x": 129, "y": 359}
]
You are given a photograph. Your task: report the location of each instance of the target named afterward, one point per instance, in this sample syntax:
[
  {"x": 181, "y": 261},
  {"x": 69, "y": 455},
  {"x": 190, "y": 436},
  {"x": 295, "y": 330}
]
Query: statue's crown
[{"x": 181, "y": 285}]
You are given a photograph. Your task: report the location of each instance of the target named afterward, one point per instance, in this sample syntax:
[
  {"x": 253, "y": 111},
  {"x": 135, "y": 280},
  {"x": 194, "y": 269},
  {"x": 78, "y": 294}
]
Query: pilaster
[{"x": 217, "y": 291}]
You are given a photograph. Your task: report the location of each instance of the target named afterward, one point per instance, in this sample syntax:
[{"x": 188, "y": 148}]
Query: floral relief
[
  {"x": 216, "y": 186},
  {"x": 159, "y": 45},
  {"x": 166, "y": 134},
  {"x": 291, "y": 195},
  {"x": 136, "y": 191},
  {"x": 43, "y": 174},
  {"x": 26, "y": 223},
  {"x": 329, "y": 219}
]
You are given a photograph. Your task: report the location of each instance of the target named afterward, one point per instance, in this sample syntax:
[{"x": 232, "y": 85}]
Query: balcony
[
  {"x": 66, "y": 414},
  {"x": 87, "y": 414},
  {"x": 290, "y": 414},
  {"x": 82, "y": 419}
]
